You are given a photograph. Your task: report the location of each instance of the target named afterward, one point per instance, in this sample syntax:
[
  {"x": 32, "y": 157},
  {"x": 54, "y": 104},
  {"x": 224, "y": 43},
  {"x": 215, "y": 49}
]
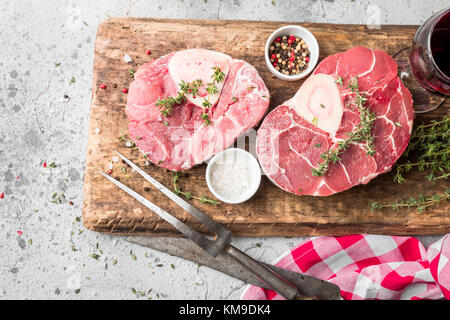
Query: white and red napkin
[{"x": 370, "y": 267}]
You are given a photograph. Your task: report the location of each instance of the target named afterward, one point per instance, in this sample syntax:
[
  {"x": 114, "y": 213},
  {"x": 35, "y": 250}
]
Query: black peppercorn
[{"x": 289, "y": 55}]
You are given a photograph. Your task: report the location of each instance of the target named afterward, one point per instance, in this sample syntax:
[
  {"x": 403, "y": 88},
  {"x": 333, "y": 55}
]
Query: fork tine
[
  {"x": 212, "y": 225},
  {"x": 190, "y": 233}
]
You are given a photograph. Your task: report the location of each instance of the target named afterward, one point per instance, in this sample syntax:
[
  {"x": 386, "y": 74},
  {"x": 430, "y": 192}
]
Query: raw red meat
[
  {"x": 182, "y": 139},
  {"x": 294, "y": 135}
]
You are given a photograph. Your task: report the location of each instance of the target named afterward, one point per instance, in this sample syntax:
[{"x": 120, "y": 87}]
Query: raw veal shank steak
[
  {"x": 294, "y": 136},
  {"x": 183, "y": 138}
]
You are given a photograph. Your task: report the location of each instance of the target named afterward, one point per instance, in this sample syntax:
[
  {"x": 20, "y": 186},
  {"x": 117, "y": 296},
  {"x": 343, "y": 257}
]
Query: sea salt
[
  {"x": 127, "y": 58},
  {"x": 232, "y": 175}
]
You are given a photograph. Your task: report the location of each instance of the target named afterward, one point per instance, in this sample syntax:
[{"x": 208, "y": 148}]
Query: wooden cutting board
[{"x": 272, "y": 212}]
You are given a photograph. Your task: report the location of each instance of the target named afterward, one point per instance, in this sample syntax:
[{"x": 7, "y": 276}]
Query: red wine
[
  {"x": 440, "y": 44},
  {"x": 430, "y": 54}
]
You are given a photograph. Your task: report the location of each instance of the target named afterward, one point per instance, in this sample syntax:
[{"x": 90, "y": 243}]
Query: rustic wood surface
[{"x": 272, "y": 212}]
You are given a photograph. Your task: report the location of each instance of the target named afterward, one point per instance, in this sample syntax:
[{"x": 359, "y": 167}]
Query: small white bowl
[
  {"x": 254, "y": 165},
  {"x": 311, "y": 42}
]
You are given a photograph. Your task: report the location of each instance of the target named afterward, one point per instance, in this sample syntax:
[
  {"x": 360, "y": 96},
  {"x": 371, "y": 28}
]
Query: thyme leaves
[
  {"x": 422, "y": 202},
  {"x": 94, "y": 256},
  {"x": 362, "y": 133},
  {"x": 189, "y": 195},
  {"x": 212, "y": 89},
  {"x": 431, "y": 143},
  {"x": 166, "y": 104},
  {"x": 218, "y": 75},
  {"x": 58, "y": 198}
]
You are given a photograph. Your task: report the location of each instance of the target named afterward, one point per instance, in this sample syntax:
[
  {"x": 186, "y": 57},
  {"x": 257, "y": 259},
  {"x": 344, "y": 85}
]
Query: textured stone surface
[{"x": 44, "y": 45}]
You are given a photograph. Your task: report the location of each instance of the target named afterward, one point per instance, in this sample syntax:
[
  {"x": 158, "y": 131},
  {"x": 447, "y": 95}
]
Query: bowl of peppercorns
[{"x": 291, "y": 52}]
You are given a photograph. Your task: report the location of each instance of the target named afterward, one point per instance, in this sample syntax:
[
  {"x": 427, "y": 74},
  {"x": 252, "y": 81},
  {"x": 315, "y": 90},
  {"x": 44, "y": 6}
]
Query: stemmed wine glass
[{"x": 425, "y": 67}]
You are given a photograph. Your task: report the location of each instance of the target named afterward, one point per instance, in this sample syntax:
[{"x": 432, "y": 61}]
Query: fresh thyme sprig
[
  {"x": 58, "y": 198},
  {"x": 205, "y": 118},
  {"x": 211, "y": 88},
  {"x": 191, "y": 87},
  {"x": 432, "y": 144},
  {"x": 217, "y": 77},
  {"x": 352, "y": 84},
  {"x": 421, "y": 203},
  {"x": 187, "y": 194},
  {"x": 129, "y": 143},
  {"x": 166, "y": 104},
  {"x": 362, "y": 133}
]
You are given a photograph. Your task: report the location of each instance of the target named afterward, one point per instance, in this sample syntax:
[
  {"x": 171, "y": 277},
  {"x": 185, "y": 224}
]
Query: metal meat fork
[{"x": 215, "y": 246}]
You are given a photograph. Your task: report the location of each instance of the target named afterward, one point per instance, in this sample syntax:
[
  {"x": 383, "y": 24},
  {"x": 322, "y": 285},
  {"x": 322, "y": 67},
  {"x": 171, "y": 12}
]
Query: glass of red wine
[{"x": 425, "y": 67}]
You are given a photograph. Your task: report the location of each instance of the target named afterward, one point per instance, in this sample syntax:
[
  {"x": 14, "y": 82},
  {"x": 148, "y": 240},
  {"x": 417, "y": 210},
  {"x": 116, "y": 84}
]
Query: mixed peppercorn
[{"x": 289, "y": 55}]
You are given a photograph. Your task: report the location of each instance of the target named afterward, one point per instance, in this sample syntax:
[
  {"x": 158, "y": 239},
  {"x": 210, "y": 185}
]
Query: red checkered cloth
[{"x": 370, "y": 267}]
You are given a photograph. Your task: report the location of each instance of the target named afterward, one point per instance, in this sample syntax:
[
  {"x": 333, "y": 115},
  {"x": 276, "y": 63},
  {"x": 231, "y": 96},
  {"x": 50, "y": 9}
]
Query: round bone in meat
[{"x": 319, "y": 101}]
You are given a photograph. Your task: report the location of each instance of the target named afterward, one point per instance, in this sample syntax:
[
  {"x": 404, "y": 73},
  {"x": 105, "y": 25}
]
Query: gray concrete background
[{"x": 51, "y": 259}]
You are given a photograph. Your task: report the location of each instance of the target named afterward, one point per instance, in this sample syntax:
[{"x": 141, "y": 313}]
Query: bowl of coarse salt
[{"x": 233, "y": 175}]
